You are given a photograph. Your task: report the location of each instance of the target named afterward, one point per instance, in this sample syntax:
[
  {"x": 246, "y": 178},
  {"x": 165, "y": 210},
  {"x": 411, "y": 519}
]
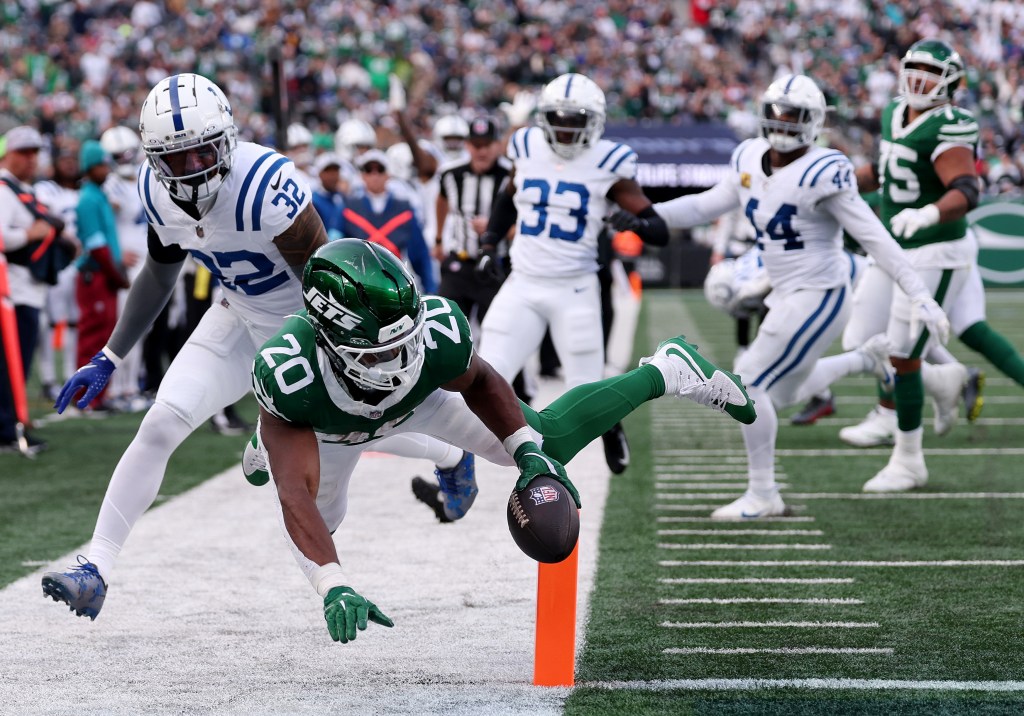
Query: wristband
[
  {"x": 327, "y": 577},
  {"x": 111, "y": 356},
  {"x": 489, "y": 239},
  {"x": 517, "y": 439}
]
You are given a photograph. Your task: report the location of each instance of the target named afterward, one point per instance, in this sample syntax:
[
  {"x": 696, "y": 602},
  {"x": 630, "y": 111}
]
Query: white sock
[
  {"x": 828, "y": 370},
  {"x": 70, "y": 351},
  {"x": 908, "y": 445},
  {"x": 759, "y": 437},
  {"x": 421, "y": 447},
  {"x": 935, "y": 377},
  {"x": 135, "y": 484}
]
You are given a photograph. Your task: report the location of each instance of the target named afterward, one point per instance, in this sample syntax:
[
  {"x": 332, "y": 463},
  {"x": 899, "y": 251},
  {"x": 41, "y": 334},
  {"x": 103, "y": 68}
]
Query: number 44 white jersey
[
  {"x": 261, "y": 197},
  {"x": 561, "y": 204}
]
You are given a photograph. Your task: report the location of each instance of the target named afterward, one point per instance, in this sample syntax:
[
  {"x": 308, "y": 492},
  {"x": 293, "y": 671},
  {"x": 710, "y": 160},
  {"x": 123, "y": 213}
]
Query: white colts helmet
[
  {"x": 792, "y": 113},
  {"x": 571, "y": 112},
  {"x": 352, "y": 135},
  {"x": 123, "y": 145},
  {"x": 188, "y": 135},
  {"x": 450, "y": 134}
]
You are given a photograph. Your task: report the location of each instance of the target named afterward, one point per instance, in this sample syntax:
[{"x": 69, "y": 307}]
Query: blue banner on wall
[{"x": 673, "y": 155}]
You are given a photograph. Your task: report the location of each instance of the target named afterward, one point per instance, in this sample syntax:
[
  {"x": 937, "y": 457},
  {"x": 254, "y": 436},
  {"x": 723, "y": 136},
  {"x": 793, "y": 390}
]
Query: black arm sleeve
[
  {"x": 653, "y": 230},
  {"x": 503, "y": 216},
  {"x": 968, "y": 186},
  {"x": 172, "y": 254}
]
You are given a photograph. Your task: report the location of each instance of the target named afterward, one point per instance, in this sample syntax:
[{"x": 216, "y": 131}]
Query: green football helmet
[
  {"x": 930, "y": 61},
  {"x": 366, "y": 312}
]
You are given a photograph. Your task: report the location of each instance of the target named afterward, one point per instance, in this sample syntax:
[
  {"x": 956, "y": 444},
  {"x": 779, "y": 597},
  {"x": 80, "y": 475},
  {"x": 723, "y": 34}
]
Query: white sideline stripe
[
  {"x": 762, "y": 600},
  {"x": 716, "y": 545},
  {"x": 782, "y": 533},
  {"x": 736, "y": 484},
  {"x": 848, "y": 563},
  {"x": 842, "y": 452},
  {"x": 852, "y": 495},
  {"x": 770, "y": 625},
  {"x": 689, "y": 508},
  {"x": 783, "y": 650},
  {"x": 808, "y": 684},
  {"x": 698, "y": 508},
  {"x": 736, "y": 520},
  {"x": 756, "y": 580}
]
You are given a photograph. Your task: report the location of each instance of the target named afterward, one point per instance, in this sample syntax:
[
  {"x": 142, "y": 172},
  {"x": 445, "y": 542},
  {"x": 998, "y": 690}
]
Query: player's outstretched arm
[
  {"x": 492, "y": 399},
  {"x": 304, "y": 236},
  {"x": 637, "y": 213}
]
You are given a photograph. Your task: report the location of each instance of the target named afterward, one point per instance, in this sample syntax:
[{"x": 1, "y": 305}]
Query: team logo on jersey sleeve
[
  {"x": 331, "y": 310},
  {"x": 745, "y": 180}
]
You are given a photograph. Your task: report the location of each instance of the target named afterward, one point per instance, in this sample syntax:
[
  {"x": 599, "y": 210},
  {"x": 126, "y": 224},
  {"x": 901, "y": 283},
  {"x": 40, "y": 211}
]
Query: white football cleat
[
  {"x": 878, "y": 428},
  {"x": 899, "y": 475},
  {"x": 876, "y": 351},
  {"x": 946, "y": 394},
  {"x": 751, "y": 507}
]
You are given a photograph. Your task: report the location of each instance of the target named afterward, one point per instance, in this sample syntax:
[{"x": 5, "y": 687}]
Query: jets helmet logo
[{"x": 332, "y": 311}]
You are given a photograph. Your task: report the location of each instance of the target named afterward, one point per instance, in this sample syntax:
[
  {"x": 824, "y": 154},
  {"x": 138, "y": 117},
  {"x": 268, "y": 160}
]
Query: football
[{"x": 543, "y": 520}]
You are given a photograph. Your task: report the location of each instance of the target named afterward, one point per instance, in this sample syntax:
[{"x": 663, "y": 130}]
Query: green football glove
[
  {"x": 532, "y": 461},
  {"x": 346, "y": 611}
]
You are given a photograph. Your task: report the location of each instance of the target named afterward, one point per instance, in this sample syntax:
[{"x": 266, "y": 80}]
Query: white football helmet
[
  {"x": 188, "y": 135},
  {"x": 571, "y": 112},
  {"x": 300, "y": 145},
  {"x": 123, "y": 145},
  {"x": 792, "y": 113},
  {"x": 400, "y": 159},
  {"x": 353, "y": 137},
  {"x": 719, "y": 287},
  {"x": 451, "y": 133}
]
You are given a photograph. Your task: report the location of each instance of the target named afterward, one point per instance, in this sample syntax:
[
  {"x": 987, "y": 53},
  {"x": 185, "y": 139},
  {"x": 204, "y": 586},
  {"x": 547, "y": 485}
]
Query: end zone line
[
  {"x": 781, "y": 533},
  {"x": 784, "y": 650},
  {"x": 805, "y": 684},
  {"x": 770, "y": 625},
  {"x": 850, "y": 563},
  {"x": 729, "y": 545},
  {"x": 756, "y": 580},
  {"x": 762, "y": 600}
]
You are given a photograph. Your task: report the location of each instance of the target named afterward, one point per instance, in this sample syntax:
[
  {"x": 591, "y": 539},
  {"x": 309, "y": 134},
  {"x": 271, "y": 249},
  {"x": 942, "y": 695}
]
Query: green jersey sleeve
[{"x": 447, "y": 340}]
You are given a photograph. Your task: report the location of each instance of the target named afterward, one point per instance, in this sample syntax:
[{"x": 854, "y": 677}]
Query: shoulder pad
[
  {"x": 617, "y": 158},
  {"x": 271, "y": 194},
  {"x": 827, "y": 174}
]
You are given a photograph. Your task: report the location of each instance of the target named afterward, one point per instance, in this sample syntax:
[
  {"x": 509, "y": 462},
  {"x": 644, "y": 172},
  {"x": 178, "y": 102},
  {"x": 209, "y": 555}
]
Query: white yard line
[
  {"x": 770, "y": 625},
  {"x": 782, "y": 650},
  {"x": 762, "y": 600},
  {"x": 852, "y": 496},
  {"x": 847, "y": 563},
  {"x": 728, "y": 545},
  {"x": 737, "y": 520},
  {"x": 756, "y": 580},
  {"x": 781, "y": 533},
  {"x": 672, "y": 455},
  {"x": 697, "y": 476},
  {"x": 984, "y": 422},
  {"x": 723, "y": 485},
  {"x": 806, "y": 684}
]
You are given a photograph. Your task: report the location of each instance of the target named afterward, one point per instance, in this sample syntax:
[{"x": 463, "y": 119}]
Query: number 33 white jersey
[
  {"x": 561, "y": 203},
  {"x": 261, "y": 197}
]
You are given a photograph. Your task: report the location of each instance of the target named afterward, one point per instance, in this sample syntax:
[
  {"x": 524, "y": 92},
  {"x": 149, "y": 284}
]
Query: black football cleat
[
  {"x": 815, "y": 408},
  {"x": 616, "y": 449},
  {"x": 429, "y": 493},
  {"x": 81, "y": 588}
]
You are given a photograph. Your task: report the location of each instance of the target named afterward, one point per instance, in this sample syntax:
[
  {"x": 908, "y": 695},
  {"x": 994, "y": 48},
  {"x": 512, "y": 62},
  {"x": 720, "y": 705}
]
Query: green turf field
[
  {"x": 797, "y": 616},
  {"x": 846, "y": 589}
]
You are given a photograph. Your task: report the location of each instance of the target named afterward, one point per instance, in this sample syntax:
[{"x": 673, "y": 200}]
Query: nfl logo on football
[{"x": 543, "y": 494}]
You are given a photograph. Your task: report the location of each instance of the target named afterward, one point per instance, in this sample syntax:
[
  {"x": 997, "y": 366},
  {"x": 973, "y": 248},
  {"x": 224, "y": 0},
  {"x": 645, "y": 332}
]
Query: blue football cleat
[
  {"x": 81, "y": 588},
  {"x": 452, "y": 500}
]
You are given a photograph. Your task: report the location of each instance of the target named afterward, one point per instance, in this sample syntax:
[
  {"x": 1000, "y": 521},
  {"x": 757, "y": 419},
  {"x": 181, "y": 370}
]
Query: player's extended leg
[
  {"x": 209, "y": 372},
  {"x": 982, "y": 338},
  {"x": 452, "y": 495}
]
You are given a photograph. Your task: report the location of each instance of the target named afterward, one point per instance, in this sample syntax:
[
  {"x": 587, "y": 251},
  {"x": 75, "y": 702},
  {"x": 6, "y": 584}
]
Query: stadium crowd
[{"x": 76, "y": 68}]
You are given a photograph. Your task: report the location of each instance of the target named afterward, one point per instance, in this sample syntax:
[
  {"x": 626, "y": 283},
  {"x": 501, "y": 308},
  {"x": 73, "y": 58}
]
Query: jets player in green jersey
[
  {"x": 926, "y": 173},
  {"x": 370, "y": 357}
]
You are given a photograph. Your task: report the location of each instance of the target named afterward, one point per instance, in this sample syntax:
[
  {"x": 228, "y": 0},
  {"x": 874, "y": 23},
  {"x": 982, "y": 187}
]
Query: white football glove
[
  {"x": 396, "y": 94},
  {"x": 909, "y": 221},
  {"x": 926, "y": 311},
  {"x": 522, "y": 106}
]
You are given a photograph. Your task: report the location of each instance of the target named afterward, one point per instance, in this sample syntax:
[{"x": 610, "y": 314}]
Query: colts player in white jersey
[
  {"x": 244, "y": 212},
  {"x": 799, "y": 197},
  {"x": 565, "y": 181}
]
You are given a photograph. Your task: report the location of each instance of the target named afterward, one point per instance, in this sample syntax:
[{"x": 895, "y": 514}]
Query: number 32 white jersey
[
  {"x": 261, "y": 197},
  {"x": 561, "y": 204}
]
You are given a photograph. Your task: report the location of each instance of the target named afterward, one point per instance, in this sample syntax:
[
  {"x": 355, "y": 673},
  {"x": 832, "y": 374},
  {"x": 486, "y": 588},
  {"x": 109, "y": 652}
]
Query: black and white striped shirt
[{"x": 469, "y": 195}]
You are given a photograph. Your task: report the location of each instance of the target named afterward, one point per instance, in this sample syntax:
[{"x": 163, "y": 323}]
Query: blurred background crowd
[{"x": 73, "y": 69}]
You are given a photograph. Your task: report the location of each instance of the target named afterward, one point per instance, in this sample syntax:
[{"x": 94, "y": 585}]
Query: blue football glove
[
  {"x": 346, "y": 611},
  {"x": 532, "y": 461},
  {"x": 92, "y": 376}
]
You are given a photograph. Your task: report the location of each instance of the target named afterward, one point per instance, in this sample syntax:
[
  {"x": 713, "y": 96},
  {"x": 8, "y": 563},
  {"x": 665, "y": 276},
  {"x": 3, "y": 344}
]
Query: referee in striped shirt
[{"x": 468, "y": 190}]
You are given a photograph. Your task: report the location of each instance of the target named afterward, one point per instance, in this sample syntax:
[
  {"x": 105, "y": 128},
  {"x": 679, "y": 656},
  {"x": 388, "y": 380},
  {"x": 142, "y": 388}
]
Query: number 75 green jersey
[
  {"x": 906, "y": 164},
  {"x": 294, "y": 381}
]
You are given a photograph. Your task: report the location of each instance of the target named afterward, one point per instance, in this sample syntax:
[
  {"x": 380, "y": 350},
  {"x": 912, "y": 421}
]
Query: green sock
[
  {"x": 581, "y": 415},
  {"x": 981, "y": 338},
  {"x": 909, "y": 400}
]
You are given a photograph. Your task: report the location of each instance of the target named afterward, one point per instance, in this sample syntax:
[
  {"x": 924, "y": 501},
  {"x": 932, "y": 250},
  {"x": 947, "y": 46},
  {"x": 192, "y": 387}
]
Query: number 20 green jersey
[
  {"x": 906, "y": 164},
  {"x": 295, "y": 383}
]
